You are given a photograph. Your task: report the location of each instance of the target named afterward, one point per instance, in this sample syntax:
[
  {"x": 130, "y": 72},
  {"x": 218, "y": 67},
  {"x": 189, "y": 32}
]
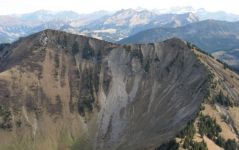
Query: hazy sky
[{"x": 86, "y": 6}]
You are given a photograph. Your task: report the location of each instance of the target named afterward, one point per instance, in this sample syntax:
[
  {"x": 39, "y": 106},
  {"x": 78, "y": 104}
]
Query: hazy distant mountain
[
  {"x": 85, "y": 19},
  {"x": 14, "y": 26},
  {"x": 11, "y": 28},
  {"x": 7, "y": 20},
  {"x": 220, "y": 15},
  {"x": 132, "y": 18},
  {"x": 44, "y": 16},
  {"x": 102, "y": 24},
  {"x": 201, "y": 13},
  {"x": 175, "y": 10},
  {"x": 127, "y": 22},
  {"x": 209, "y": 35}
]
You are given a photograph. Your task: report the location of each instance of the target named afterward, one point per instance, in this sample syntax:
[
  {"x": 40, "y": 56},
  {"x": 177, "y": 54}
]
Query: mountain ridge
[
  {"x": 104, "y": 25},
  {"x": 197, "y": 33},
  {"x": 95, "y": 94}
]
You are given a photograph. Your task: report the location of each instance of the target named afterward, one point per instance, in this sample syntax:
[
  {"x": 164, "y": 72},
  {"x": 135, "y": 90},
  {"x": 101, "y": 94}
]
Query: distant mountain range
[
  {"x": 128, "y": 22},
  {"x": 209, "y": 35},
  {"x": 201, "y": 13},
  {"x": 110, "y": 26},
  {"x": 44, "y": 16},
  {"x": 220, "y": 38},
  {"x": 102, "y": 24}
]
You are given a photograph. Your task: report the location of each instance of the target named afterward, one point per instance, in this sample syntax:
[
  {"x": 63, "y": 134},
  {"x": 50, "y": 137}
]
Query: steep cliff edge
[
  {"x": 217, "y": 124},
  {"x": 65, "y": 91}
]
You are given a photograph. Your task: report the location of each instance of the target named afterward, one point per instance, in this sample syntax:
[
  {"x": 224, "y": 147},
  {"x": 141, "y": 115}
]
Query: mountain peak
[
  {"x": 77, "y": 83},
  {"x": 51, "y": 33}
]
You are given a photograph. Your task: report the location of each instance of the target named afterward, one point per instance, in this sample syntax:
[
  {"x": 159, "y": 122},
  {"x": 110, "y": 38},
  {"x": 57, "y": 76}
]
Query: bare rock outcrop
[{"x": 76, "y": 92}]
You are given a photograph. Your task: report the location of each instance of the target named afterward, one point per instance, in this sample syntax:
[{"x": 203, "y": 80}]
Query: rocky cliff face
[{"x": 64, "y": 91}]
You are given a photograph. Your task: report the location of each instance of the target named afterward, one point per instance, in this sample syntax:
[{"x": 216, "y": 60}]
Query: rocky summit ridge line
[{"x": 65, "y": 91}]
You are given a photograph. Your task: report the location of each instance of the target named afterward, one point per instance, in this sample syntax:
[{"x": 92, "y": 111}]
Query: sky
[{"x": 88, "y": 6}]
